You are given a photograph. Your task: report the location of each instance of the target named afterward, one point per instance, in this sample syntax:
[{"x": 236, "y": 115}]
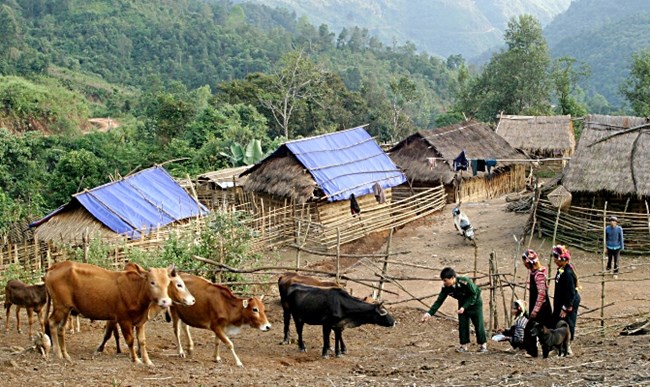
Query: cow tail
[
  {"x": 168, "y": 316},
  {"x": 46, "y": 325}
]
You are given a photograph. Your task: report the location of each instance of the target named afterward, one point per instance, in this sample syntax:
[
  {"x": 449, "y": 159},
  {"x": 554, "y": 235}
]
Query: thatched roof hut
[
  {"x": 478, "y": 141},
  {"x": 609, "y": 174},
  {"x": 613, "y": 157},
  {"x": 546, "y": 136},
  {"x": 329, "y": 167},
  {"x": 445, "y": 144},
  {"x": 126, "y": 208}
]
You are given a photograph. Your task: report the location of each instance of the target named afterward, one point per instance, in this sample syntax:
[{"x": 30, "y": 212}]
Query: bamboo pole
[
  {"x": 475, "y": 259},
  {"x": 338, "y": 255},
  {"x": 535, "y": 204},
  {"x": 602, "y": 284},
  {"x": 298, "y": 249},
  {"x": 492, "y": 315},
  {"x": 514, "y": 273},
  {"x": 384, "y": 270},
  {"x": 550, "y": 256}
]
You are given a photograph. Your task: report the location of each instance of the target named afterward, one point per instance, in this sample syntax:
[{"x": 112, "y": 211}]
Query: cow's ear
[
  {"x": 245, "y": 303},
  {"x": 172, "y": 270}
]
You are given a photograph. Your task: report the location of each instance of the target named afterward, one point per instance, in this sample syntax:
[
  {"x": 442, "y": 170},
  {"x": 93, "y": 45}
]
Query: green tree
[
  {"x": 636, "y": 88},
  {"x": 515, "y": 80},
  {"x": 296, "y": 81},
  {"x": 403, "y": 94},
  {"x": 566, "y": 76}
]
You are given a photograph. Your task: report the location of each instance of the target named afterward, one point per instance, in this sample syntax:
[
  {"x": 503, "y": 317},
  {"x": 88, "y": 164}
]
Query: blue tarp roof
[
  {"x": 343, "y": 163},
  {"x": 147, "y": 199}
]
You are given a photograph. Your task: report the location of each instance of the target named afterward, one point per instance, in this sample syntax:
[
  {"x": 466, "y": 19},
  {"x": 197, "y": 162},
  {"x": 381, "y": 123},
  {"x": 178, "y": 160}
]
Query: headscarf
[
  {"x": 530, "y": 256},
  {"x": 519, "y": 304},
  {"x": 561, "y": 252}
]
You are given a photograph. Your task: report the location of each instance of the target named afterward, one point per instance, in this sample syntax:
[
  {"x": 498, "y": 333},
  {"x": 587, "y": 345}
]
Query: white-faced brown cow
[
  {"x": 177, "y": 291},
  {"x": 218, "y": 310},
  {"x": 30, "y": 297},
  {"x": 100, "y": 294}
]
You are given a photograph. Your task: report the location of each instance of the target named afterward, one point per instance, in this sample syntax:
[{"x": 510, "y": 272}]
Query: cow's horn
[
  {"x": 245, "y": 303},
  {"x": 262, "y": 297}
]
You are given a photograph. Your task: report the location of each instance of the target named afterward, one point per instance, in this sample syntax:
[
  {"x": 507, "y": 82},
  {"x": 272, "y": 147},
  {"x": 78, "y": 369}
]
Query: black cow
[
  {"x": 284, "y": 282},
  {"x": 334, "y": 309}
]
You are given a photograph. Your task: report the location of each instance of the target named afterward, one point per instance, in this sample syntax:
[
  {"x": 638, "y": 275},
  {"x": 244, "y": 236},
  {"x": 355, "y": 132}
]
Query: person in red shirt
[{"x": 538, "y": 301}]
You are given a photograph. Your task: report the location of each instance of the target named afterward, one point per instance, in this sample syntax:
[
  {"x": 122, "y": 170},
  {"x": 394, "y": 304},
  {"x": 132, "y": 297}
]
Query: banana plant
[{"x": 240, "y": 156}]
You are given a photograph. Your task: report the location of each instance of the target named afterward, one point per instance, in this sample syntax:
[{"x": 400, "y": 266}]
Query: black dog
[{"x": 557, "y": 338}]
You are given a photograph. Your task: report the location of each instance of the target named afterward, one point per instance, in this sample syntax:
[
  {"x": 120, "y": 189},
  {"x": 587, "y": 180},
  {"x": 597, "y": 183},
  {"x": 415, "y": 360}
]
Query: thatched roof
[
  {"x": 72, "y": 224},
  {"x": 224, "y": 178},
  {"x": 478, "y": 140},
  {"x": 613, "y": 155},
  {"x": 332, "y": 166},
  {"x": 538, "y": 134},
  {"x": 283, "y": 177}
]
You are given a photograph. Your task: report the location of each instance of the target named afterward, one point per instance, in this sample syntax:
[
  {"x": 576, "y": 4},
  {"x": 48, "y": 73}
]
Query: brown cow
[
  {"x": 177, "y": 292},
  {"x": 289, "y": 278},
  {"x": 218, "y": 310},
  {"x": 31, "y": 297},
  {"x": 100, "y": 294}
]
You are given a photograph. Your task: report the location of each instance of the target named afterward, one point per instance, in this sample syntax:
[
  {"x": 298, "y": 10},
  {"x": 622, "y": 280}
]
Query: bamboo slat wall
[
  {"x": 475, "y": 189},
  {"x": 583, "y": 227},
  {"x": 323, "y": 236}
]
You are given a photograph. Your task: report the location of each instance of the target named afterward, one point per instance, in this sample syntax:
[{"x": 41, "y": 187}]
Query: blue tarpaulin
[
  {"x": 144, "y": 200},
  {"x": 344, "y": 163}
]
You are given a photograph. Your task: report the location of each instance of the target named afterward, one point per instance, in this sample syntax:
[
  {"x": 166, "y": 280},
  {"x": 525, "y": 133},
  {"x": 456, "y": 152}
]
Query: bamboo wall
[
  {"x": 583, "y": 227},
  {"x": 483, "y": 188}
]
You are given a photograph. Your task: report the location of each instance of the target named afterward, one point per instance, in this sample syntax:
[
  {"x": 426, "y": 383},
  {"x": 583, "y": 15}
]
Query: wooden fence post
[
  {"x": 298, "y": 245},
  {"x": 602, "y": 277},
  {"x": 475, "y": 259},
  {"x": 338, "y": 255},
  {"x": 384, "y": 269},
  {"x": 550, "y": 256},
  {"x": 492, "y": 323}
]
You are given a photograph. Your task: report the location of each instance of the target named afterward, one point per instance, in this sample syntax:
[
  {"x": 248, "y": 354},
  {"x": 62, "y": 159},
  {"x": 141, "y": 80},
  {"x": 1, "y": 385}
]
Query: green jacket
[{"x": 464, "y": 290}]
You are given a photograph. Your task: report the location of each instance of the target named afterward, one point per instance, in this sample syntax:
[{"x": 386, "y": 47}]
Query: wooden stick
[
  {"x": 338, "y": 255},
  {"x": 384, "y": 270},
  {"x": 550, "y": 256},
  {"x": 602, "y": 285}
]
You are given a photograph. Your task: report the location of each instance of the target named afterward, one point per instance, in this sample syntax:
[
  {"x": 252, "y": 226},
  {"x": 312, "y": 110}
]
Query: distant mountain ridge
[
  {"x": 603, "y": 34},
  {"x": 439, "y": 27}
]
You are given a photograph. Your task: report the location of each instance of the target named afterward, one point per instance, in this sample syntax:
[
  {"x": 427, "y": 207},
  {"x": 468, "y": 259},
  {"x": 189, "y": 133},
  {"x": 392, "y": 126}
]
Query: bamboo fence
[{"x": 583, "y": 227}]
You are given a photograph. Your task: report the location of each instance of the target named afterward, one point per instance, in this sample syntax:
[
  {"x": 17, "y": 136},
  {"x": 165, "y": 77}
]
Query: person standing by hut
[
  {"x": 614, "y": 242},
  {"x": 566, "y": 298},
  {"x": 538, "y": 301}
]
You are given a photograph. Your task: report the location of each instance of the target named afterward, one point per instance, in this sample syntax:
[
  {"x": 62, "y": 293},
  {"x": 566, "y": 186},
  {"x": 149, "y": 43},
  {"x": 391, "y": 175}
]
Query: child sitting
[{"x": 515, "y": 334}]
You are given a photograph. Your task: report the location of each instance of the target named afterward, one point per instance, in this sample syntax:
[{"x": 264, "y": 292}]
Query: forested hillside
[
  {"x": 191, "y": 80},
  {"x": 441, "y": 27},
  {"x": 603, "y": 34}
]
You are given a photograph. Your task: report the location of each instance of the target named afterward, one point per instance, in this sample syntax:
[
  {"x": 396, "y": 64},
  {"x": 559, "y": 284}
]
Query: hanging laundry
[
  {"x": 490, "y": 164},
  {"x": 474, "y": 167},
  {"x": 379, "y": 193},
  {"x": 432, "y": 163},
  {"x": 460, "y": 162},
  {"x": 480, "y": 165},
  {"x": 354, "y": 206}
]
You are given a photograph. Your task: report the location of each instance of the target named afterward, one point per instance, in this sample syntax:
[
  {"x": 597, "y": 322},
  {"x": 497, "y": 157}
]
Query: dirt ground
[{"x": 411, "y": 353}]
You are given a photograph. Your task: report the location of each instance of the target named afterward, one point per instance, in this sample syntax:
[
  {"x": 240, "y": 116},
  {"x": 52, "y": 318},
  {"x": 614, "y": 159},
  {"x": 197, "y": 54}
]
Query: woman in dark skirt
[
  {"x": 538, "y": 301},
  {"x": 566, "y": 298}
]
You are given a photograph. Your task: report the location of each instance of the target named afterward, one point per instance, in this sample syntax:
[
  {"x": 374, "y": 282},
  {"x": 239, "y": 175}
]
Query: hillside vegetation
[
  {"x": 440, "y": 27},
  {"x": 604, "y": 34}
]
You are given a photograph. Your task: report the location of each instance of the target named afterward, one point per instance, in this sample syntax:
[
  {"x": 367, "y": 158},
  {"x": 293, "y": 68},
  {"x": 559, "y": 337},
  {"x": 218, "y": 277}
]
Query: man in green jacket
[{"x": 470, "y": 307}]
